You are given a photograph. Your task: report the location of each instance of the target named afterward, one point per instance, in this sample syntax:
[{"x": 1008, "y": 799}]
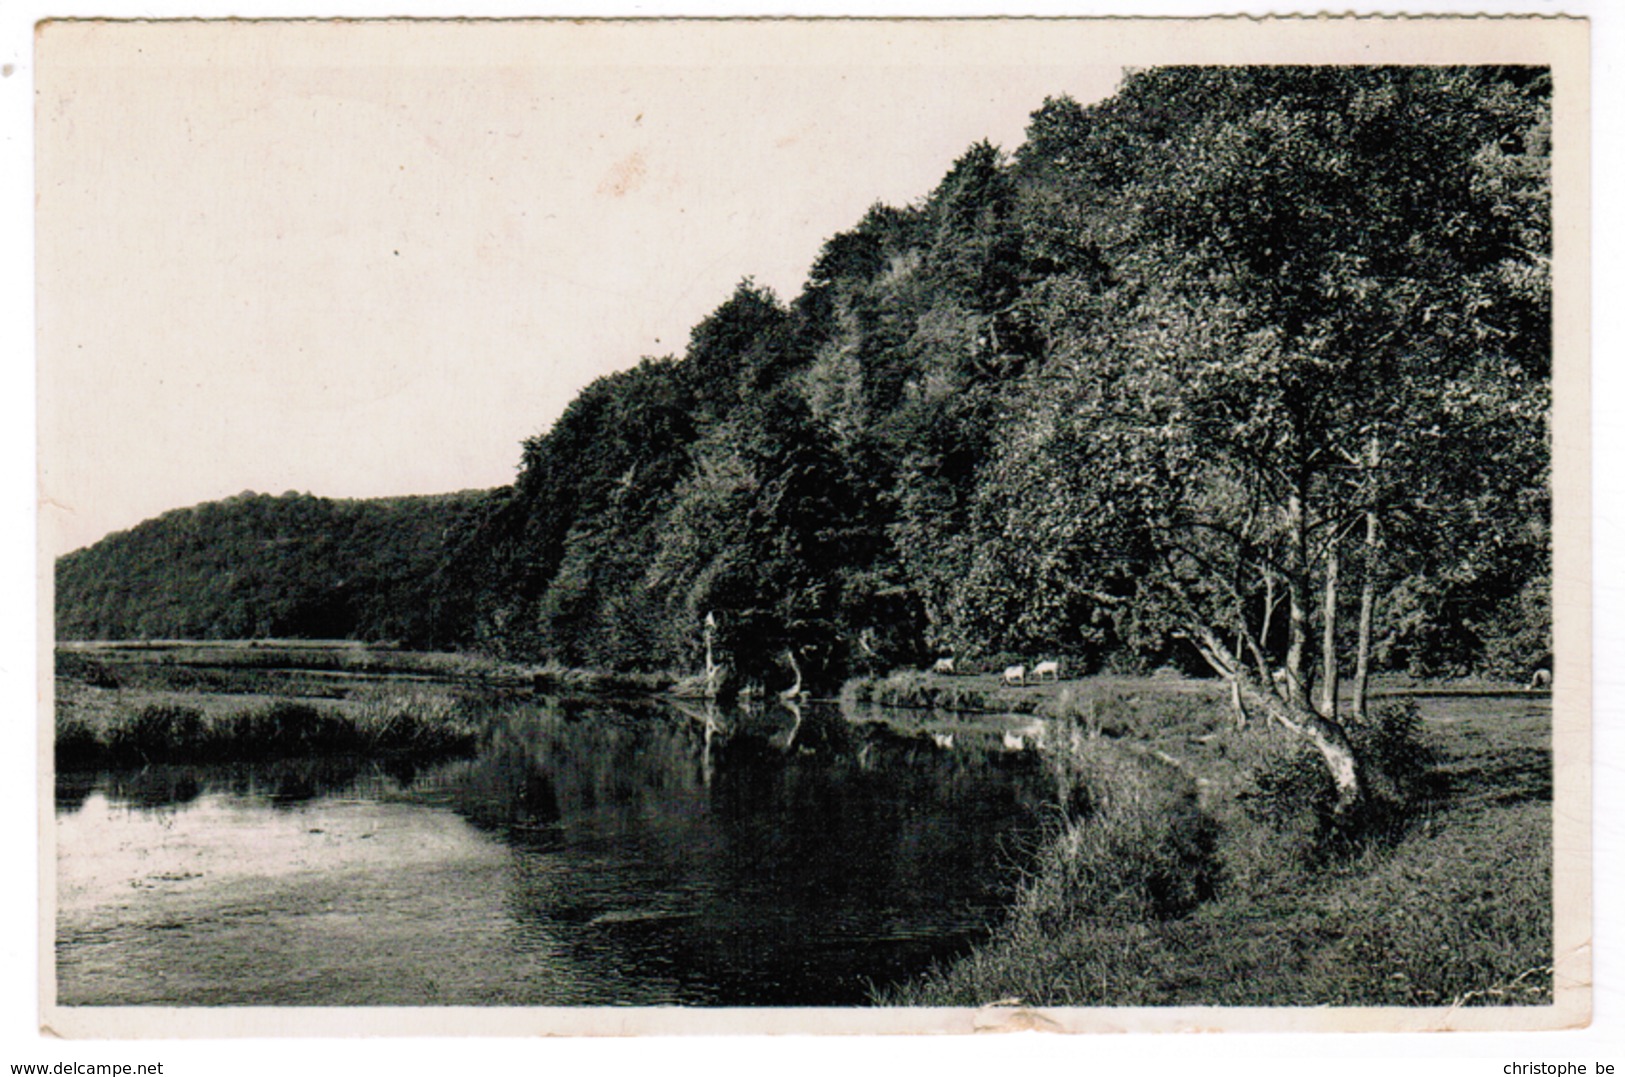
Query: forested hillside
[
  {"x": 1186, "y": 365},
  {"x": 257, "y": 566},
  {"x": 1239, "y": 369}
]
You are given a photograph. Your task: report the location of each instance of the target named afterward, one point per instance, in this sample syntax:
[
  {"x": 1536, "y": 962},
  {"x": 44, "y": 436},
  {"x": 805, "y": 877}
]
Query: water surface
[{"x": 590, "y": 854}]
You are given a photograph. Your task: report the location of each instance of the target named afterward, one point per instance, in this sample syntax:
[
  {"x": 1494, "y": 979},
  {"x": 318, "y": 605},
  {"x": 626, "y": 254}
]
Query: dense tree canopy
[
  {"x": 262, "y": 566},
  {"x": 1241, "y": 369}
]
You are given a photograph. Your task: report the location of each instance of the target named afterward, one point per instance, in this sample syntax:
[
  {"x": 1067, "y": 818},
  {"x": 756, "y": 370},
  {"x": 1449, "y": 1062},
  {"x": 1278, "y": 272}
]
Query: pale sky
[{"x": 371, "y": 259}]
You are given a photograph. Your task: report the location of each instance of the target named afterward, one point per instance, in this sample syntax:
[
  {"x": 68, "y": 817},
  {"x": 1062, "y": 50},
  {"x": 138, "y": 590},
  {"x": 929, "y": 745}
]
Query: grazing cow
[
  {"x": 944, "y": 665},
  {"x": 1014, "y": 742},
  {"x": 1541, "y": 679},
  {"x": 1015, "y": 675},
  {"x": 1052, "y": 668},
  {"x": 943, "y": 740}
]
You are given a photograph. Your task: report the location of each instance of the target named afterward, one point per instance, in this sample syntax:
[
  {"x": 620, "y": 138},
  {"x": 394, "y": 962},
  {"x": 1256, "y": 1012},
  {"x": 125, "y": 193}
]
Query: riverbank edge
[
  {"x": 1188, "y": 868},
  {"x": 1079, "y": 697},
  {"x": 75, "y": 658}
]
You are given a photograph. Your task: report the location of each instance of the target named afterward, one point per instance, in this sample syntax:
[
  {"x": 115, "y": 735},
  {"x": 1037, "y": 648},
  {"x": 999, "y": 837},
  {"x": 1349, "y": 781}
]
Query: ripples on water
[{"x": 589, "y": 855}]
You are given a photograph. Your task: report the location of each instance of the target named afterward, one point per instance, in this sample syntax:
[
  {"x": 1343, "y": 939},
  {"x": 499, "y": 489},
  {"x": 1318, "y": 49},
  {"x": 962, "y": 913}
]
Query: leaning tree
[{"x": 1326, "y": 307}]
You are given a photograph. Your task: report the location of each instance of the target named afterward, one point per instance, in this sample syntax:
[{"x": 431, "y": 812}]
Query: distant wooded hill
[
  {"x": 1237, "y": 369},
  {"x": 256, "y": 566}
]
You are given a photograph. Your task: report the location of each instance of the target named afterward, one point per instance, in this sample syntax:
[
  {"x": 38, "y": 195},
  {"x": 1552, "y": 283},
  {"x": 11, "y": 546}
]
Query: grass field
[{"x": 1197, "y": 864}]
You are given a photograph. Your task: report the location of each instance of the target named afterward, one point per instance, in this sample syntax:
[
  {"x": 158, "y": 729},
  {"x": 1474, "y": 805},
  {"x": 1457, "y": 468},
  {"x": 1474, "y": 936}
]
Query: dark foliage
[
  {"x": 257, "y": 566},
  {"x": 1013, "y": 418}
]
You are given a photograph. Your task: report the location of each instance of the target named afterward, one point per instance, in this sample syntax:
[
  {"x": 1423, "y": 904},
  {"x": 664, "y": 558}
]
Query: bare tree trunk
[
  {"x": 1324, "y": 733},
  {"x": 711, "y": 671},
  {"x": 1236, "y": 704},
  {"x": 1328, "y": 640},
  {"x": 794, "y": 691},
  {"x": 1297, "y": 589},
  {"x": 1270, "y": 602},
  {"x": 1368, "y": 604}
]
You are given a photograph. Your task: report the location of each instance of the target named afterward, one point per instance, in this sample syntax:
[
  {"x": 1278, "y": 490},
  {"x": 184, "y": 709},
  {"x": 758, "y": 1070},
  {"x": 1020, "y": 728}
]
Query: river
[{"x": 591, "y": 854}]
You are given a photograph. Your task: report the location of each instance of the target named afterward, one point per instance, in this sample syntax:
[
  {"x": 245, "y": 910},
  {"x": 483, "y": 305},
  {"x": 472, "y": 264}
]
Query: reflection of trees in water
[
  {"x": 154, "y": 787},
  {"x": 284, "y": 783},
  {"x": 558, "y": 762},
  {"x": 72, "y": 788},
  {"x": 875, "y": 848},
  {"x": 547, "y": 763},
  {"x": 872, "y": 817},
  {"x": 783, "y": 851}
]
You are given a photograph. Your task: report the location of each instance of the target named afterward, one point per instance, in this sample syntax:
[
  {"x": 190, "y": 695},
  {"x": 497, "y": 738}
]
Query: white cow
[
  {"x": 1051, "y": 668},
  {"x": 1541, "y": 679},
  {"x": 944, "y": 665},
  {"x": 1015, "y": 675}
]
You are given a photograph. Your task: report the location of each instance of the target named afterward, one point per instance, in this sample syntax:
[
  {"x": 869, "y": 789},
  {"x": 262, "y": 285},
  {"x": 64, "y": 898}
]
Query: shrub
[{"x": 1292, "y": 792}]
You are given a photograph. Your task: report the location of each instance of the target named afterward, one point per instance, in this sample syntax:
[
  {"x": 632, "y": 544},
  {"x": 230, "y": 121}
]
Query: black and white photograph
[{"x": 661, "y": 526}]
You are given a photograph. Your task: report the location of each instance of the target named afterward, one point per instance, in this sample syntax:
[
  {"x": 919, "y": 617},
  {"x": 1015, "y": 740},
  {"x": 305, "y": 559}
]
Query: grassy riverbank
[
  {"x": 1103, "y": 695},
  {"x": 122, "y": 705},
  {"x": 1198, "y": 864},
  {"x": 134, "y": 727},
  {"x": 132, "y": 703},
  {"x": 254, "y": 665}
]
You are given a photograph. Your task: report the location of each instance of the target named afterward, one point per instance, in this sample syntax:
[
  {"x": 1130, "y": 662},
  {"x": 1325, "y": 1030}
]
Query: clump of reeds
[
  {"x": 165, "y": 732},
  {"x": 162, "y": 733},
  {"x": 1134, "y": 844},
  {"x": 77, "y": 745},
  {"x": 415, "y": 718},
  {"x": 285, "y": 728}
]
